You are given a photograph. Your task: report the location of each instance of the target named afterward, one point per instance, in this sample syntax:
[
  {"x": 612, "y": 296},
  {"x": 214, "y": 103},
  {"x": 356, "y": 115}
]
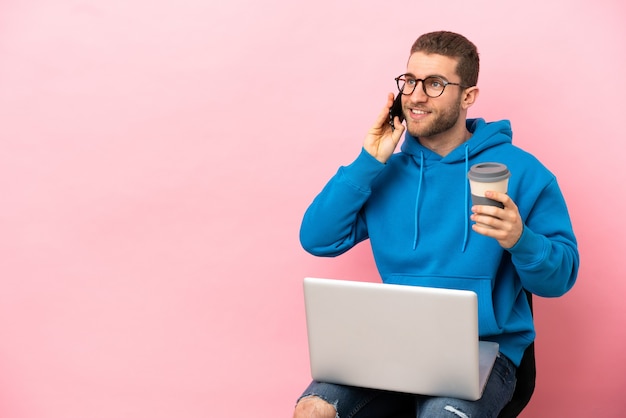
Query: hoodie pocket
[{"x": 487, "y": 323}]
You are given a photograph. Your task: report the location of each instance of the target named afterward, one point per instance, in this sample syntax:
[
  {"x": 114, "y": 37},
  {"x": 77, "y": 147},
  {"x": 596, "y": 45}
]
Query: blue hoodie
[{"x": 415, "y": 210}]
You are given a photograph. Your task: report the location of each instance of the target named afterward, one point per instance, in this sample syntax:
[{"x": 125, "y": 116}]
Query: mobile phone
[{"x": 396, "y": 110}]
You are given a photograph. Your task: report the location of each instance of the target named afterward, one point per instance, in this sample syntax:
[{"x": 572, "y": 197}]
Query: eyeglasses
[{"x": 432, "y": 86}]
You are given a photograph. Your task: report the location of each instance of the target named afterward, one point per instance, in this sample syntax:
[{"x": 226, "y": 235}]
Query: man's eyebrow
[{"x": 430, "y": 75}]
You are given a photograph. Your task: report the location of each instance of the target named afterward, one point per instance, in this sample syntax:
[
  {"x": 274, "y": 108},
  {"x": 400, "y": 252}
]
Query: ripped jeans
[{"x": 353, "y": 402}]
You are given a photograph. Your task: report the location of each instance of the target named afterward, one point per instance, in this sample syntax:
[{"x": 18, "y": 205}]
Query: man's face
[{"x": 427, "y": 116}]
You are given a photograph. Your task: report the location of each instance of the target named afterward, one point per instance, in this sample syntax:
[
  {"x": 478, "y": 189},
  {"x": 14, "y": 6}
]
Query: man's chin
[{"x": 418, "y": 131}]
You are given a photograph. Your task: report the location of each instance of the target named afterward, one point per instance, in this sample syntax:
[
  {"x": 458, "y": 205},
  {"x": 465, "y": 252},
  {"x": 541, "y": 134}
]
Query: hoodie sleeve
[
  {"x": 546, "y": 255},
  {"x": 334, "y": 223}
]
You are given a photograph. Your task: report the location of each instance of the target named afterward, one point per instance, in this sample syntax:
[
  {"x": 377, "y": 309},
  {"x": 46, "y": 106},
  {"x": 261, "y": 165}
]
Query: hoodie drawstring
[
  {"x": 465, "y": 215},
  {"x": 467, "y": 197},
  {"x": 417, "y": 200}
]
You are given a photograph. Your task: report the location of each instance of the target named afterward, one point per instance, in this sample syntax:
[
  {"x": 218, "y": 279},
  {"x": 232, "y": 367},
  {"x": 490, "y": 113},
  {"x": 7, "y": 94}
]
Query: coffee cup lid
[{"x": 488, "y": 172}]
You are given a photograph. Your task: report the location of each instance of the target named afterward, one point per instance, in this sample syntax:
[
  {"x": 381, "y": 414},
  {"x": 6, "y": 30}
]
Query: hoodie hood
[{"x": 484, "y": 136}]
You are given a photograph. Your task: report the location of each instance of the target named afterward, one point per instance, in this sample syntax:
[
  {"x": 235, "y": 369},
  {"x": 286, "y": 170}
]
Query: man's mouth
[{"x": 418, "y": 114}]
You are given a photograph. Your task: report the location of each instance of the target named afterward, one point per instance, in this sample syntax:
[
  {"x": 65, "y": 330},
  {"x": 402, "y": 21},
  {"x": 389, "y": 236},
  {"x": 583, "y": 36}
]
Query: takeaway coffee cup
[{"x": 488, "y": 176}]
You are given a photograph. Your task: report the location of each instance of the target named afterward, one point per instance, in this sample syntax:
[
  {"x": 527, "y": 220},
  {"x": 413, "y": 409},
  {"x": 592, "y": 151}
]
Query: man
[{"x": 415, "y": 207}]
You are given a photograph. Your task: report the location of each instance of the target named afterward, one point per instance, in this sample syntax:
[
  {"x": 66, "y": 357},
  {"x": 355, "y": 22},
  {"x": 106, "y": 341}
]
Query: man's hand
[
  {"x": 381, "y": 140},
  {"x": 505, "y": 225}
]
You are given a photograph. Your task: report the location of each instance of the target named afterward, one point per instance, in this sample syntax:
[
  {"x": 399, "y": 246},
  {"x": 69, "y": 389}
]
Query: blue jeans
[{"x": 353, "y": 402}]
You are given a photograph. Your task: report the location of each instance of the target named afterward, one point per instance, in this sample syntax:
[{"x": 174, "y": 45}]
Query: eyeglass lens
[{"x": 432, "y": 86}]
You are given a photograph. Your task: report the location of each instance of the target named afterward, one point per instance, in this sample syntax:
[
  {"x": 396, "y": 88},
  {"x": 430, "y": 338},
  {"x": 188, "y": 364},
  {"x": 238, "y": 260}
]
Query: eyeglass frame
[{"x": 446, "y": 83}]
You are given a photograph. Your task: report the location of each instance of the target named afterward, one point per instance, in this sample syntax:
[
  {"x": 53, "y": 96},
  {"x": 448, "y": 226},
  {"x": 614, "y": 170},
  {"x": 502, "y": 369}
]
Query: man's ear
[{"x": 469, "y": 97}]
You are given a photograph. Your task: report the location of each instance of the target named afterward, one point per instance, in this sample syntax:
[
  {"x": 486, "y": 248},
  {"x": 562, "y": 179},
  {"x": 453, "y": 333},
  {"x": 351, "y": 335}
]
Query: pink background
[{"x": 157, "y": 156}]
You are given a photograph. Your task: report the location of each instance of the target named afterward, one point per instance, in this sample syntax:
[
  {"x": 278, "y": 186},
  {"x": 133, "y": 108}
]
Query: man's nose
[{"x": 418, "y": 94}]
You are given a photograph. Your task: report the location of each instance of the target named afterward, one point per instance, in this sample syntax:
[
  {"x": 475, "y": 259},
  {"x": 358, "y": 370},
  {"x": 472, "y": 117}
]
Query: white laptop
[{"x": 400, "y": 338}]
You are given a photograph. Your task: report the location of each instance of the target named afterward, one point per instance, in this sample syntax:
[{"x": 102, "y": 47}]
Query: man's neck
[{"x": 444, "y": 143}]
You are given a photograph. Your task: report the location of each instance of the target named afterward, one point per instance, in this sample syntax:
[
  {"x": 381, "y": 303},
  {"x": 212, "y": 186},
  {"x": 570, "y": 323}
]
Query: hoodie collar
[{"x": 484, "y": 135}]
